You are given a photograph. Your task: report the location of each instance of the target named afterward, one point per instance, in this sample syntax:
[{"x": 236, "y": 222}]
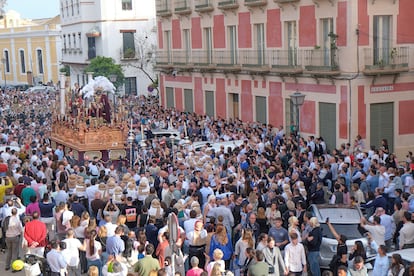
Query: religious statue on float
[{"x": 96, "y": 99}]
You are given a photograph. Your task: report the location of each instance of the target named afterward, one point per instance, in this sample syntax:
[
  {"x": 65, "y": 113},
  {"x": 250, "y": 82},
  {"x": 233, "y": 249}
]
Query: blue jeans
[
  {"x": 313, "y": 259},
  {"x": 97, "y": 263}
]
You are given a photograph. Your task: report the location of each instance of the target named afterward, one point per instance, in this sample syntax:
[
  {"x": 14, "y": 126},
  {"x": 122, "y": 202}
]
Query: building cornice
[
  {"x": 45, "y": 33},
  {"x": 105, "y": 21}
]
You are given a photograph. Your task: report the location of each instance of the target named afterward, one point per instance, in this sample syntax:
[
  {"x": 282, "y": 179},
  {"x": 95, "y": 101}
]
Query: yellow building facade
[{"x": 30, "y": 50}]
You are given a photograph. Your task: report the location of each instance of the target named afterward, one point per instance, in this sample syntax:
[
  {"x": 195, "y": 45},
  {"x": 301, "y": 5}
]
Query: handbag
[{"x": 271, "y": 267}]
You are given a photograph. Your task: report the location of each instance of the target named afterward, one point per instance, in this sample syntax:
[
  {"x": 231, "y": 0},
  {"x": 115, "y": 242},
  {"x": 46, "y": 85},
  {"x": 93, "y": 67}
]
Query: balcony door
[
  {"x": 291, "y": 39},
  {"x": 260, "y": 43},
  {"x": 232, "y": 37},
  {"x": 382, "y": 39},
  {"x": 327, "y": 29},
  {"x": 208, "y": 45},
  {"x": 187, "y": 45}
]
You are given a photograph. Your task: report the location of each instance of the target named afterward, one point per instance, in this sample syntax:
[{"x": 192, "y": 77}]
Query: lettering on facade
[{"x": 384, "y": 88}]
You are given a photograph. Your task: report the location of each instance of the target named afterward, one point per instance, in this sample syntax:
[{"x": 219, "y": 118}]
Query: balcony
[
  {"x": 322, "y": 62},
  {"x": 163, "y": 8},
  {"x": 203, "y": 6},
  {"x": 255, "y": 3},
  {"x": 128, "y": 54},
  {"x": 182, "y": 7},
  {"x": 287, "y": 62},
  {"x": 254, "y": 61},
  {"x": 386, "y": 61},
  {"x": 228, "y": 5}
]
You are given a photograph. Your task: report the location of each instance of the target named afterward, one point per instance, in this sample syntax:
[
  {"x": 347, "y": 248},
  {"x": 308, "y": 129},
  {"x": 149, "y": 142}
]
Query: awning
[{"x": 94, "y": 32}]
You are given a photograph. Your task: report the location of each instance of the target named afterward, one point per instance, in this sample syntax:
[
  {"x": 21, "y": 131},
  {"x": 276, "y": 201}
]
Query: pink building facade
[{"x": 244, "y": 58}]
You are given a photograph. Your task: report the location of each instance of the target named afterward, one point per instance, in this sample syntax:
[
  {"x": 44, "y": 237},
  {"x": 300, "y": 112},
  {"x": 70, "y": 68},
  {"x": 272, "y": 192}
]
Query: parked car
[
  {"x": 407, "y": 256},
  {"x": 40, "y": 88},
  {"x": 198, "y": 146},
  {"x": 345, "y": 220}
]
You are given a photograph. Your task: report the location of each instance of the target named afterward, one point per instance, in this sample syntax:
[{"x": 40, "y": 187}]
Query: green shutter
[
  {"x": 188, "y": 100},
  {"x": 209, "y": 103},
  {"x": 382, "y": 124},
  {"x": 327, "y": 124},
  {"x": 169, "y": 93},
  {"x": 261, "y": 109}
]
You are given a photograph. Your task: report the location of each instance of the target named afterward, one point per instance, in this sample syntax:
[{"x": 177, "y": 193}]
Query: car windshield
[
  {"x": 351, "y": 231},
  {"x": 340, "y": 215}
]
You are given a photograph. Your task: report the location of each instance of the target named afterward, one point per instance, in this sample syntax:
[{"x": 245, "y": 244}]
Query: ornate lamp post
[
  {"x": 131, "y": 138},
  {"x": 297, "y": 99}
]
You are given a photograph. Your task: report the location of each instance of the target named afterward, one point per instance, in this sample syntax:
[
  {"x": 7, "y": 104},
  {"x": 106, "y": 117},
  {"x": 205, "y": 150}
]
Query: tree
[
  {"x": 146, "y": 45},
  {"x": 105, "y": 66}
]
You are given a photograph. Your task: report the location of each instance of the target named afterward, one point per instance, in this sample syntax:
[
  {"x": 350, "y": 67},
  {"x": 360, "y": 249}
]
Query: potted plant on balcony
[{"x": 129, "y": 53}]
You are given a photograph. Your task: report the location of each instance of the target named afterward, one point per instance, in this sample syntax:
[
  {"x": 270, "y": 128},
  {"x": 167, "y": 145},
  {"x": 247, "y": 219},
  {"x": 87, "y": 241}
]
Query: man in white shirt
[
  {"x": 376, "y": 230},
  {"x": 71, "y": 253},
  {"x": 189, "y": 224},
  {"x": 295, "y": 258},
  {"x": 407, "y": 232}
]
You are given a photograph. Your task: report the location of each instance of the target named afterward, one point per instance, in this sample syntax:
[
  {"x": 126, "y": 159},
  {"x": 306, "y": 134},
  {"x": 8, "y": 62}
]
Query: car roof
[
  {"x": 217, "y": 146},
  {"x": 406, "y": 254},
  {"x": 337, "y": 213}
]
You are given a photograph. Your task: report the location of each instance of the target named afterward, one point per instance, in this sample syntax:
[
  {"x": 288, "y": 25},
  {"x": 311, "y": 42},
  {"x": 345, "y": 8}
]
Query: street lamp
[
  {"x": 131, "y": 138},
  {"x": 3, "y": 60},
  {"x": 297, "y": 99}
]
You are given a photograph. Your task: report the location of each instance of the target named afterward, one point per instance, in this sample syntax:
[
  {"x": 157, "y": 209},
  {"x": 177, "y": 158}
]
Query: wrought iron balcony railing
[
  {"x": 386, "y": 60},
  {"x": 255, "y": 3},
  {"x": 163, "y": 8},
  {"x": 182, "y": 7},
  {"x": 228, "y": 4},
  {"x": 321, "y": 61},
  {"x": 203, "y": 5}
]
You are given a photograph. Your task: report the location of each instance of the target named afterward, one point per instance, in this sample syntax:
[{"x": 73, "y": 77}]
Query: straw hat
[
  {"x": 102, "y": 187},
  {"x": 179, "y": 206},
  {"x": 72, "y": 181},
  {"x": 111, "y": 185},
  {"x": 80, "y": 188}
]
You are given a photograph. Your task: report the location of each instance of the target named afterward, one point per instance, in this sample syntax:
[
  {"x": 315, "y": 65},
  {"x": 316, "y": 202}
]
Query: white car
[
  {"x": 198, "y": 146},
  {"x": 40, "y": 89},
  {"x": 345, "y": 220}
]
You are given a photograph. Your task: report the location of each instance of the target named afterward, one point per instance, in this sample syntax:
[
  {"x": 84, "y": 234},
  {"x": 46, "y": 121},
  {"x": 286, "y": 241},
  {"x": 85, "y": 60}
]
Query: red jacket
[{"x": 35, "y": 231}]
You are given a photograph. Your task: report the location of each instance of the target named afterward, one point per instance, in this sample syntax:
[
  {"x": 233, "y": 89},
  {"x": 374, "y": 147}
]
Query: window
[
  {"x": 61, "y": 9},
  {"x": 291, "y": 41},
  {"x": 126, "y": 5},
  {"x": 327, "y": 31},
  {"x": 128, "y": 45},
  {"x": 74, "y": 40},
  {"x": 187, "y": 45},
  {"x": 167, "y": 37},
  {"x": 7, "y": 61},
  {"x": 22, "y": 62},
  {"x": 73, "y": 8},
  {"x": 64, "y": 43},
  {"x": 67, "y": 8},
  {"x": 382, "y": 39},
  {"x": 40, "y": 60},
  {"x": 232, "y": 35},
  {"x": 80, "y": 41},
  {"x": 91, "y": 48},
  {"x": 208, "y": 45},
  {"x": 260, "y": 44},
  {"x": 77, "y": 6},
  {"x": 131, "y": 86}
]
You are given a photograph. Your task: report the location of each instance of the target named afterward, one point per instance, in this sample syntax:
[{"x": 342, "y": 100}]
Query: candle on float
[{"x": 142, "y": 131}]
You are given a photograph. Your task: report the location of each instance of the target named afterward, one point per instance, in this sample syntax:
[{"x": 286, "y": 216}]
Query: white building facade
[{"x": 111, "y": 28}]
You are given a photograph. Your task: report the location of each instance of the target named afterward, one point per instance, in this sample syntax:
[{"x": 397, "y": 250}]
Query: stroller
[{"x": 36, "y": 265}]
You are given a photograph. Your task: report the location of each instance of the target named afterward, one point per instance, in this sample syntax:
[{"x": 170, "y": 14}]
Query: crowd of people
[{"x": 240, "y": 211}]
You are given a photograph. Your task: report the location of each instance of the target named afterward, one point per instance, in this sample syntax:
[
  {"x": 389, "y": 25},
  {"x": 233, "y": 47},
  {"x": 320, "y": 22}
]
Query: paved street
[{"x": 4, "y": 272}]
